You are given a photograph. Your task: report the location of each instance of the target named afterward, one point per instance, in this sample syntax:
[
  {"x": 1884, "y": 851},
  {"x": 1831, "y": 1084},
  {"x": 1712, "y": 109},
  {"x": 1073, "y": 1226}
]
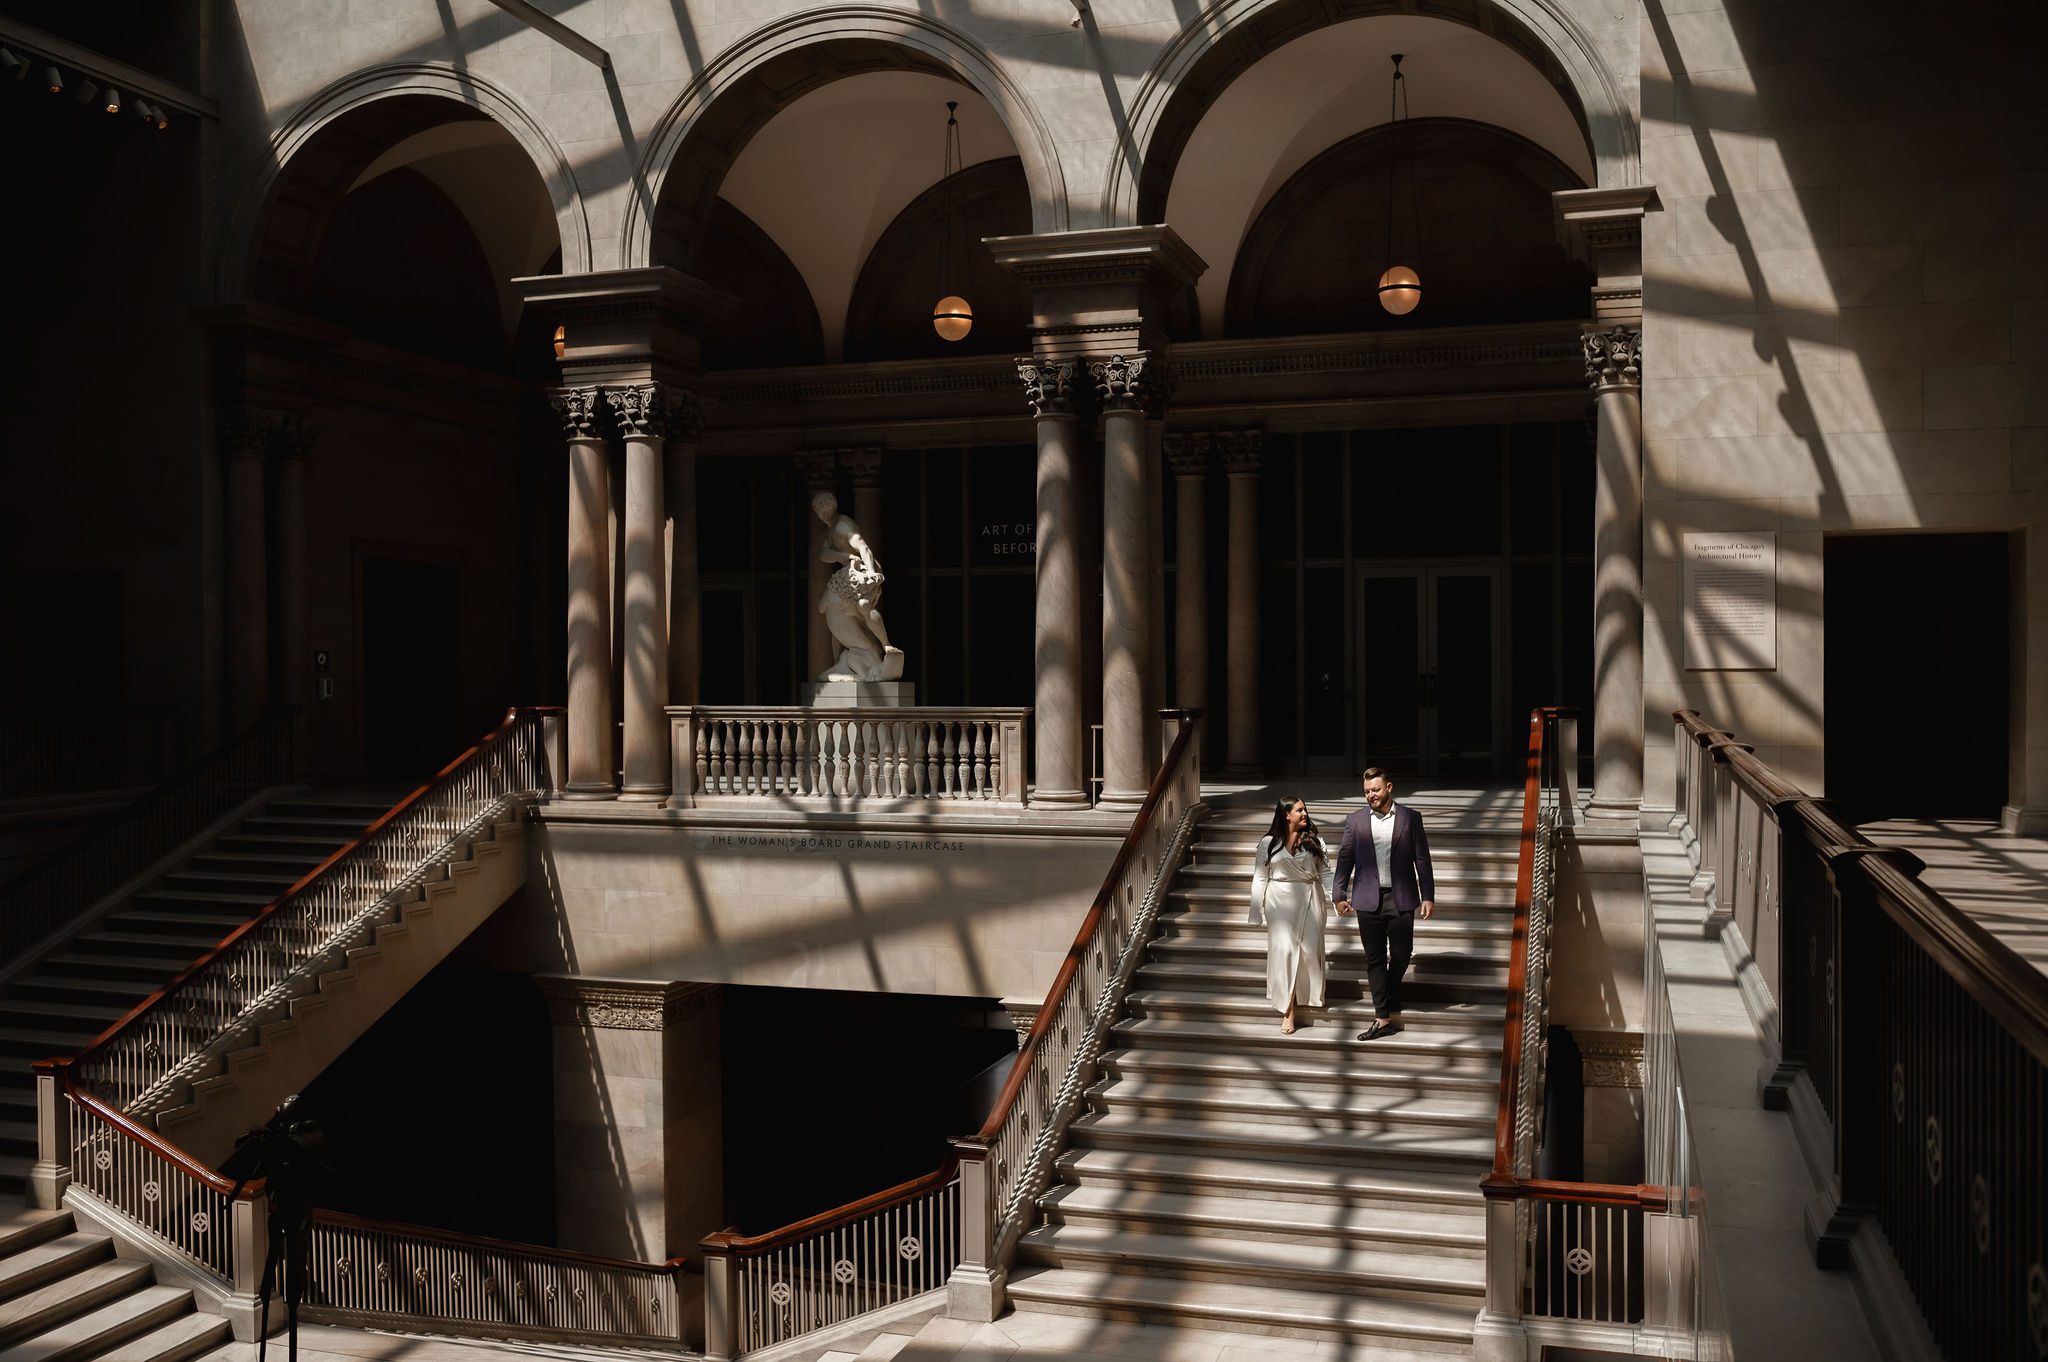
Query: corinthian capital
[
  {"x": 1048, "y": 385},
  {"x": 1240, "y": 451},
  {"x": 246, "y": 432},
  {"x": 579, "y": 410},
  {"x": 1614, "y": 358},
  {"x": 1121, "y": 383},
  {"x": 641, "y": 409},
  {"x": 685, "y": 414}
]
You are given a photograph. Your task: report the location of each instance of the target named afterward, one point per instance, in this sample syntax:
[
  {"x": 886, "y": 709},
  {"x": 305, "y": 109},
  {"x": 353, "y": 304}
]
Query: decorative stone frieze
[
  {"x": 1048, "y": 385},
  {"x": 1023, "y": 1016},
  {"x": 1614, "y": 357},
  {"x": 641, "y": 409},
  {"x": 579, "y": 409},
  {"x": 1122, "y": 383},
  {"x": 623, "y": 1004},
  {"x": 1610, "y": 1059}
]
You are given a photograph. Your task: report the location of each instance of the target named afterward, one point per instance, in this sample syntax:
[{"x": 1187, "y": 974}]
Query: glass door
[{"x": 1429, "y": 670}]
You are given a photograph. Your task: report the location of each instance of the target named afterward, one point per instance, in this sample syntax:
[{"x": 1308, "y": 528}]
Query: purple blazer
[{"x": 1358, "y": 869}]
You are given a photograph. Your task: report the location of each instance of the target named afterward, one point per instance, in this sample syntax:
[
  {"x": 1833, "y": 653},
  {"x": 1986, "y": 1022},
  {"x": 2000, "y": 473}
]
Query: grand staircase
[
  {"x": 65, "y": 1297},
  {"x": 112, "y": 964},
  {"x": 1226, "y": 1175}
]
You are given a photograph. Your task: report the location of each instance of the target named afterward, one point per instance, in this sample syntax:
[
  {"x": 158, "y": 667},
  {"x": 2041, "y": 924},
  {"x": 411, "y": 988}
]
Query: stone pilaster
[
  {"x": 685, "y": 604},
  {"x": 1240, "y": 450},
  {"x": 1056, "y": 720},
  {"x": 820, "y": 474},
  {"x": 246, "y": 434},
  {"x": 591, "y": 771},
  {"x": 1188, "y": 457},
  {"x": 639, "y": 1158},
  {"x": 1614, "y": 369},
  {"x": 641, "y": 411},
  {"x": 1122, "y": 386}
]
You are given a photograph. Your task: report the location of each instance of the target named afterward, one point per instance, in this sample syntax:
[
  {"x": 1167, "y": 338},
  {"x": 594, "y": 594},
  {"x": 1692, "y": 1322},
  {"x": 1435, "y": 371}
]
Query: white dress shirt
[{"x": 1383, "y": 844}]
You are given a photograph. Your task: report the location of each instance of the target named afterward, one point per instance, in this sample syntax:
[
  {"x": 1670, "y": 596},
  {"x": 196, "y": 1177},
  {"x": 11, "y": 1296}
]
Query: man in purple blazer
[{"x": 1383, "y": 866}]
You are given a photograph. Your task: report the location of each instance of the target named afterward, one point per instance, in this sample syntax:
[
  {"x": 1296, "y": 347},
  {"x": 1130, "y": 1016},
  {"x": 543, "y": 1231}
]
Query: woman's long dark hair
[{"x": 1276, "y": 835}]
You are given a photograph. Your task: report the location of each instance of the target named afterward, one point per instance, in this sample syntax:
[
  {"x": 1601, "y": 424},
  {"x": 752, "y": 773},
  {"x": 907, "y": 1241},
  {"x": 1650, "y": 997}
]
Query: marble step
[
  {"x": 1392, "y": 1187},
  {"x": 1442, "y": 975},
  {"x": 1259, "y": 1036},
  {"x": 1226, "y": 922},
  {"x": 1392, "y": 1330},
  {"x": 1405, "y": 1275},
  {"x": 144, "y": 970},
  {"x": 1428, "y": 1011},
  {"x": 1451, "y": 893},
  {"x": 1341, "y": 952},
  {"x": 1333, "y": 1111},
  {"x": 1291, "y": 1071},
  {"x": 26, "y": 1227},
  {"x": 111, "y": 1325},
  {"x": 1233, "y": 864},
  {"x": 35, "y": 1312},
  {"x": 1447, "y": 1233},
  {"x": 39, "y": 1263},
  {"x": 1299, "y": 1142},
  {"x": 183, "y": 1337}
]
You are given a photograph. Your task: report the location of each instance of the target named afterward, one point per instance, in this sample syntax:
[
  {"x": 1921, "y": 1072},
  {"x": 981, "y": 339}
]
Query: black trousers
[{"x": 1389, "y": 939}]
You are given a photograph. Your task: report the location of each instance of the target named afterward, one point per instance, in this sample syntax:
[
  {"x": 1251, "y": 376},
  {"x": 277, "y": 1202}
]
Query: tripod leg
[{"x": 263, "y": 1291}]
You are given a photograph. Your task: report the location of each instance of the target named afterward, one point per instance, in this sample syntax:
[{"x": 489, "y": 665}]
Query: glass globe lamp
[
  {"x": 1400, "y": 290},
  {"x": 952, "y": 318}
]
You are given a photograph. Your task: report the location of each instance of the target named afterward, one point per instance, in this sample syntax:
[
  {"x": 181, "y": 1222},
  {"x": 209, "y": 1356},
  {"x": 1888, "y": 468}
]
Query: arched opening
[
  {"x": 1485, "y": 238},
  {"x": 383, "y": 324}
]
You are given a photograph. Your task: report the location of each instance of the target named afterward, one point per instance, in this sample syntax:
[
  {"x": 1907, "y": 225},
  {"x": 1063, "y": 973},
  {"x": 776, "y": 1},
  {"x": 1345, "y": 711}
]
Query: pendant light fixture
[
  {"x": 952, "y": 318},
  {"x": 1400, "y": 285}
]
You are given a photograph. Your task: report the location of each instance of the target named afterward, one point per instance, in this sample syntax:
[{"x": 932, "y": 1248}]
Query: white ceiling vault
[
  {"x": 827, "y": 175},
  {"x": 1326, "y": 86}
]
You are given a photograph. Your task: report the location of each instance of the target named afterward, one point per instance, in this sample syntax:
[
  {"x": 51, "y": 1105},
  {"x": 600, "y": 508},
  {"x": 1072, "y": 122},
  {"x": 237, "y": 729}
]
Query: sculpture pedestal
[{"x": 858, "y": 694}]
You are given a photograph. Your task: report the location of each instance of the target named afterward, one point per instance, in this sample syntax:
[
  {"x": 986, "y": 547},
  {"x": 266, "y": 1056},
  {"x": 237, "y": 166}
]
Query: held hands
[
  {"x": 1428, "y": 907},
  {"x": 1343, "y": 907}
]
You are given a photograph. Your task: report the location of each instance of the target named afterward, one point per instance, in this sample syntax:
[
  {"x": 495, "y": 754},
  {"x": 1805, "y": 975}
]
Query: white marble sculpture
[{"x": 852, "y": 603}]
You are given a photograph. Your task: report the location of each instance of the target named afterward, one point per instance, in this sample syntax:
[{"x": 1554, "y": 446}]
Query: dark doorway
[
  {"x": 1918, "y": 666},
  {"x": 410, "y": 661}
]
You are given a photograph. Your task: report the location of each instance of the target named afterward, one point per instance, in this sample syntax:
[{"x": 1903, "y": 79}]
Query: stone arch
[
  {"x": 374, "y": 105},
  {"x": 749, "y": 82},
  {"x": 1226, "y": 40}
]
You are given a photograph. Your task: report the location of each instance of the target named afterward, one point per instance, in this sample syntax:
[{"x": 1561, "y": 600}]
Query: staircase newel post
[
  {"x": 721, "y": 1299},
  {"x": 682, "y": 756},
  {"x": 554, "y": 742},
  {"x": 975, "y": 1290},
  {"x": 1567, "y": 768},
  {"x": 1497, "y": 1335},
  {"x": 251, "y": 1230},
  {"x": 52, "y": 1171}
]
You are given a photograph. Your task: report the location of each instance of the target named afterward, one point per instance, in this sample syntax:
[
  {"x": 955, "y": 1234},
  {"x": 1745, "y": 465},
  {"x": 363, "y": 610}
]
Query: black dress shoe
[{"x": 1378, "y": 1029}]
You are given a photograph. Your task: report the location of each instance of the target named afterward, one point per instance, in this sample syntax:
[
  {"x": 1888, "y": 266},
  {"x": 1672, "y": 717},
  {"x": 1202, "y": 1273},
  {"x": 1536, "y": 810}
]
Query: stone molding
[
  {"x": 863, "y": 466},
  {"x": 623, "y": 1004},
  {"x": 640, "y": 409},
  {"x": 1023, "y": 1016},
  {"x": 1187, "y": 454},
  {"x": 1614, "y": 358},
  {"x": 1048, "y": 385},
  {"x": 1610, "y": 1059},
  {"x": 1240, "y": 451},
  {"x": 1121, "y": 381},
  {"x": 579, "y": 409},
  {"x": 1152, "y": 256}
]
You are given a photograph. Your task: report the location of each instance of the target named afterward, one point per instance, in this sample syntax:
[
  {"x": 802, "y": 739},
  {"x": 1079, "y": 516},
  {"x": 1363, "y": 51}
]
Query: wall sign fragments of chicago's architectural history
[{"x": 1731, "y": 601}]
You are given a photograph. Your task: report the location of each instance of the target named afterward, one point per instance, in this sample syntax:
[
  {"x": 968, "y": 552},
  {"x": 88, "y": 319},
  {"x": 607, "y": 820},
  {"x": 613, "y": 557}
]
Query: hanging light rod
[
  {"x": 100, "y": 69},
  {"x": 538, "y": 19}
]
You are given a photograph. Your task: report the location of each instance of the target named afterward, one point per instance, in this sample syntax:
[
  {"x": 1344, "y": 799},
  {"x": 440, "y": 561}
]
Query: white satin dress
[{"x": 1291, "y": 894}]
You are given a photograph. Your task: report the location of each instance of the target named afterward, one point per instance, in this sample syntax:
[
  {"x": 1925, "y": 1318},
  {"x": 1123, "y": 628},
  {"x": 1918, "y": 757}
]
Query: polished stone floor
[{"x": 1999, "y": 880}]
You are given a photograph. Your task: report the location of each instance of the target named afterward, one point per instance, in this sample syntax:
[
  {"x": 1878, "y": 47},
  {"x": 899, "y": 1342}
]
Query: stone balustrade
[{"x": 842, "y": 757}]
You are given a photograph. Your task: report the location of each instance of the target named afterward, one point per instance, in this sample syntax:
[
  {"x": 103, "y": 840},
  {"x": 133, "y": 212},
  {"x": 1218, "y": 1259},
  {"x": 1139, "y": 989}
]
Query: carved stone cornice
[
  {"x": 1153, "y": 256},
  {"x": 863, "y": 466},
  {"x": 623, "y": 1004},
  {"x": 1048, "y": 385},
  {"x": 1187, "y": 454},
  {"x": 1610, "y": 1059},
  {"x": 1240, "y": 450},
  {"x": 1121, "y": 383},
  {"x": 821, "y": 471},
  {"x": 580, "y": 410},
  {"x": 641, "y": 409},
  {"x": 1614, "y": 358}
]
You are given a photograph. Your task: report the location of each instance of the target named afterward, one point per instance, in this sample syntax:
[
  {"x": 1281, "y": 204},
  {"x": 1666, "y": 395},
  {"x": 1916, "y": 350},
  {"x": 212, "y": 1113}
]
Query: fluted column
[
  {"x": 1240, "y": 449},
  {"x": 641, "y": 411},
  {"x": 820, "y": 475},
  {"x": 290, "y": 665},
  {"x": 1188, "y": 457},
  {"x": 1614, "y": 368},
  {"x": 1056, "y": 639},
  {"x": 1120, "y": 385},
  {"x": 685, "y": 606},
  {"x": 245, "y": 438},
  {"x": 1158, "y": 666},
  {"x": 591, "y": 773},
  {"x": 864, "y": 469}
]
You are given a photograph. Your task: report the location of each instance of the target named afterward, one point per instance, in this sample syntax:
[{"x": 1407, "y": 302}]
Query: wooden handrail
[
  {"x": 346, "y": 1220},
  {"x": 60, "y": 1069},
  {"x": 157, "y": 999},
  {"x": 1997, "y": 977},
  {"x": 1503, "y": 1174},
  {"x": 734, "y": 1242},
  {"x": 1078, "y": 952},
  {"x": 1646, "y": 1195}
]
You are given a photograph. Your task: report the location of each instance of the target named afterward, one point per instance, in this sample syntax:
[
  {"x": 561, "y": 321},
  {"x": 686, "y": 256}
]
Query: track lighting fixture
[
  {"x": 113, "y": 100},
  {"x": 16, "y": 65},
  {"x": 88, "y": 91},
  {"x": 160, "y": 118},
  {"x": 144, "y": 112},
  {"x": 53, "y": 80}
]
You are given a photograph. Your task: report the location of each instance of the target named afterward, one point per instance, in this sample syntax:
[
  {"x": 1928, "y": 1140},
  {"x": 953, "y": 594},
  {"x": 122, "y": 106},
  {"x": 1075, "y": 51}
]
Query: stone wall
[{"x": 1846, "y": 325}]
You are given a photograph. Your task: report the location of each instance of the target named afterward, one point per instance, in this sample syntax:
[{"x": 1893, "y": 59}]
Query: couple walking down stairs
[{"x": 1225, "y": 1175}]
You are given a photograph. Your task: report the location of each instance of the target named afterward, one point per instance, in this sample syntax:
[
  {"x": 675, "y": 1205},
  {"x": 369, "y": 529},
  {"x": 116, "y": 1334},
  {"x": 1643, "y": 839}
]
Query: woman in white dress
[{"x": 1291, "y": 893}]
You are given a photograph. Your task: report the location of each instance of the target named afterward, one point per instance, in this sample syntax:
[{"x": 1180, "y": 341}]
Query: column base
[
  {"x": 2023, "y": 821},
  {"x": 1499, "y": 1338},
  {"x": 1121, "y": 801},
  {"x": 1613, "y": 811},
  {"x": 1057, "y": 799},
  {"x": 643, "y": 794},
  {"x": 46, "y": 1184},
  {"x": 588, "y": 792},
  {"x": 974, "y": 1293}
]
